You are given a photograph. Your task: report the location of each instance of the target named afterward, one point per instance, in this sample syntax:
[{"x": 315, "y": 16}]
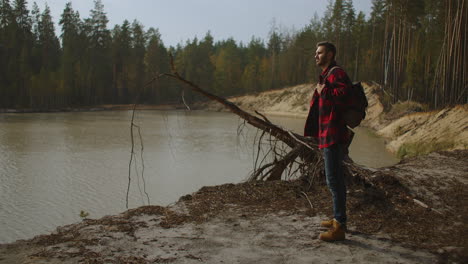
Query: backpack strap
[{"x": 330, "y": 71}]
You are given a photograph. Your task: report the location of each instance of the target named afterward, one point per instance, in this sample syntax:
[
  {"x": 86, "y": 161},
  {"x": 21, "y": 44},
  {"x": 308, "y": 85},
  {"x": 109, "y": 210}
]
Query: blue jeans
[{"x": 333, "y": 157}]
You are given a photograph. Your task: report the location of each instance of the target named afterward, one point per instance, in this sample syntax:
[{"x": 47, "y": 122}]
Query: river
[{"x": 54, "y": 165}]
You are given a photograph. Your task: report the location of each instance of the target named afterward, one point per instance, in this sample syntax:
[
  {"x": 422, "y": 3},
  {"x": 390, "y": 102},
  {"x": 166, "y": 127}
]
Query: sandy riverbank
[
  {"x": 417, "y": 215},
  {"x": 415, "y": 220},
  {"x": 408, "y": 133}
]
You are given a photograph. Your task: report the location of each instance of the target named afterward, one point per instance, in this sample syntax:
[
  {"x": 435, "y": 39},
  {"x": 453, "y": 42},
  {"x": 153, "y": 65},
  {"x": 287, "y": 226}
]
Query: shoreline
[
  {"x": 278, "y": 222},
  {"x": 106, "y": 107},
  {"x": 408, "y": 129}
]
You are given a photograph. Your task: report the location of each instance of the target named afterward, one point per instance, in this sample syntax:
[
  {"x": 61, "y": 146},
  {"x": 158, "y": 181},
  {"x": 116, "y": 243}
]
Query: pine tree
[
  {"x": 377, "y": 25},
  {"x": 274, "y": 49},
  {"x": 71, "y": 58},
  {"x": 49, "y": 42},
  {"x": 121, "y": 56},
  {"x": 228, "y": 68},
  {"x": 99, "y": 55},
  {"x": 251, "y": 77},
  {"x": 156, "y": 62},
  {"x": 358, "y": 31},
  {"x": 327, "y": 24},
  {"x": 137, "y": 67},
  {"x": 205, "y": 69},
  {"x": 21, "y": 59},
  {"x": 6, "y": 53},
  {"x": 6, "y": 14},
  {"x": 348, "y": 42}
]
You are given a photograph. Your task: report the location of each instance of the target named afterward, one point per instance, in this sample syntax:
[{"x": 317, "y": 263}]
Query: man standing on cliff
[{"x": 325, "y": 122}]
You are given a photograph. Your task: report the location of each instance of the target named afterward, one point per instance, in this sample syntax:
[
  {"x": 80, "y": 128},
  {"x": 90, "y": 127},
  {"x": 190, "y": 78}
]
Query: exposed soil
[
  {"x": 273, "y": 222},
  {"x": 412, "y": 212}
]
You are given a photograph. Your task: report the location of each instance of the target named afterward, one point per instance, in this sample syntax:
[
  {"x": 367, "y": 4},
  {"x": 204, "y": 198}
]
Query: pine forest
[{"x": 415, "y": 49}]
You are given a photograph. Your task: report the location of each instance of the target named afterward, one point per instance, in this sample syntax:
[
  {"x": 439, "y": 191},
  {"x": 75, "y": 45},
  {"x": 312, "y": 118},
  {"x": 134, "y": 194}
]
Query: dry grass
[
  {"x": 422, "y": 148},
  {"x": 404, "y": 108}
]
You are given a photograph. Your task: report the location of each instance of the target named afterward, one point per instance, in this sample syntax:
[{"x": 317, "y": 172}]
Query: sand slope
[{"x": 446, "y": 129}]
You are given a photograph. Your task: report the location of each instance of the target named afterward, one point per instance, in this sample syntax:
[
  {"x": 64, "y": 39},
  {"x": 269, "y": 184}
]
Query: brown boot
[
  {"x": 335, "y": 233},
  {"x": 327, "y": 223}
]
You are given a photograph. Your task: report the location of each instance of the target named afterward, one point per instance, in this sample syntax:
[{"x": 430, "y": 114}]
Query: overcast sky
[{"x": 179, "y": 20}]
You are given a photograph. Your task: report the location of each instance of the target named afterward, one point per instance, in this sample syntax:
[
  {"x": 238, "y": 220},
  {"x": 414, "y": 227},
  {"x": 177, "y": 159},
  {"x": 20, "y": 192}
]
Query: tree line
[{"x": 416, "y": 49}]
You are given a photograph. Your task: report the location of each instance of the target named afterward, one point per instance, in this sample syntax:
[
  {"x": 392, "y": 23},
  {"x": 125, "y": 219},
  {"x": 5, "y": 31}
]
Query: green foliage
[
  {"x": 398, "y": 46},
  {"x": 156, "y": 61},
  {"x": 83, "y": 214},
  {"x": 228, "y": 68}
]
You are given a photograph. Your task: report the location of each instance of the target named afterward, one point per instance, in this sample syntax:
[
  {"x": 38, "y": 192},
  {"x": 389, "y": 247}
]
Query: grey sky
[{"x": 179, "y": 20}]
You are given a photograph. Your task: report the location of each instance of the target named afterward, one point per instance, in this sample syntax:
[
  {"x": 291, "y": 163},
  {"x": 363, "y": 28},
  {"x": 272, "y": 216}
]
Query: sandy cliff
[{"x": 408, "y": 134}]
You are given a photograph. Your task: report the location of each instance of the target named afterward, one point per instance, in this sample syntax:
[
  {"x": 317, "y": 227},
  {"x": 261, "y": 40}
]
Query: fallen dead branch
[
  {"x": 303, "y": 147},
  {"x": 302, "y": 157}
]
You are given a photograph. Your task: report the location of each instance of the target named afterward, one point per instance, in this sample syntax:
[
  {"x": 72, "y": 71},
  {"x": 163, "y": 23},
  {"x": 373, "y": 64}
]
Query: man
[{"x": 325, "y": 122}]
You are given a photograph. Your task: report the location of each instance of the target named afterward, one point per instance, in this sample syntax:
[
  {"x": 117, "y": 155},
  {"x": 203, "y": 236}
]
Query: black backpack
[{"x": 356, "y": 112}]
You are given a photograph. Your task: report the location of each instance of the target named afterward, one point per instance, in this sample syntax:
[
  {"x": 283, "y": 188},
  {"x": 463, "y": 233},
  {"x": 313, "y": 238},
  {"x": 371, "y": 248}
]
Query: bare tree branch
[
  {"x": 132, "y": 150},
  {"x": 183, "y": 100}
]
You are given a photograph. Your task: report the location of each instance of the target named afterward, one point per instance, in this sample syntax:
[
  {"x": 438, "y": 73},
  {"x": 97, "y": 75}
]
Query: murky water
[{"x": 54, "y": 165}]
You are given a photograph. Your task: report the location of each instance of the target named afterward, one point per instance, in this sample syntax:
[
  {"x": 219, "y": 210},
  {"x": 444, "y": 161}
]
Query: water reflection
[{"x": 52, "y": 166}]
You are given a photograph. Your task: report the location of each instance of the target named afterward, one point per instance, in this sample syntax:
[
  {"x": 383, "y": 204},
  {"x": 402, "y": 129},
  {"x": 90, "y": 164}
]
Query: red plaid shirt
[{"x": 325, "y": 121}]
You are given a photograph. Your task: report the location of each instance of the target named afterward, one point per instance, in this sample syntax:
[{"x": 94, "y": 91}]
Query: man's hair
[{"x": 329, "y": 47}]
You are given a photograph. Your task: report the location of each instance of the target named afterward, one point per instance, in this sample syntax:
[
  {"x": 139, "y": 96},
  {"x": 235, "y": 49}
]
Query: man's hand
[{"x": 319, "y": 87}]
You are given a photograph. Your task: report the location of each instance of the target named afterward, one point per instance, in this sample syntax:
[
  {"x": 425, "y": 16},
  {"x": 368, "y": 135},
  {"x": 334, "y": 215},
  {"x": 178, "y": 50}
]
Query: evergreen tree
[
  {"x": 21, "y": 14},
  {"x": 327, "y": 21},
  {"x": 156, "y": 61},
  {"x": 44, "y": 86},
  {"x": 416, "y": 49},
  {"x": 274, "y": 49},
  {"x": 6, "y": 14},
  {"x": 35, "y": 20},
  {"x": 49, "y": 42},
  {"x": 71, "y": 58},
  {"x": 137, "y": 66},
  {"x": 251, "y": 76},
  {"x": 99, "y": 55},
  {"x": 228, "y": 68},
  {"x": 7, "y": 74},
  {"x": 358, "y": 32},
  {"x": 21, "y": 59},
  {"x": 121, "y": 56},
  {"x": 202, "y": 58},
  {"x": 348, "y": 43},
  {"x": 376, "y": 51}
]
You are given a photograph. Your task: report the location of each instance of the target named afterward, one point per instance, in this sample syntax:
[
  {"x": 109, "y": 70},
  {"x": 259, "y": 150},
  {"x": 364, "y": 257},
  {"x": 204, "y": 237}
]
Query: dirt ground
[
  {"x": 412, "y": 212},
  {"x": 273, "y": 222}
]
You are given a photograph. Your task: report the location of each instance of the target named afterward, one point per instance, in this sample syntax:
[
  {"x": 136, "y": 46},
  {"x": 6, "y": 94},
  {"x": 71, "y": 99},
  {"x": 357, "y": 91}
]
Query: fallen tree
[
  {"x": 294, "y": 155},
  {"x": 303, "y": 152},
  {"x": 377, "y": 201}
]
